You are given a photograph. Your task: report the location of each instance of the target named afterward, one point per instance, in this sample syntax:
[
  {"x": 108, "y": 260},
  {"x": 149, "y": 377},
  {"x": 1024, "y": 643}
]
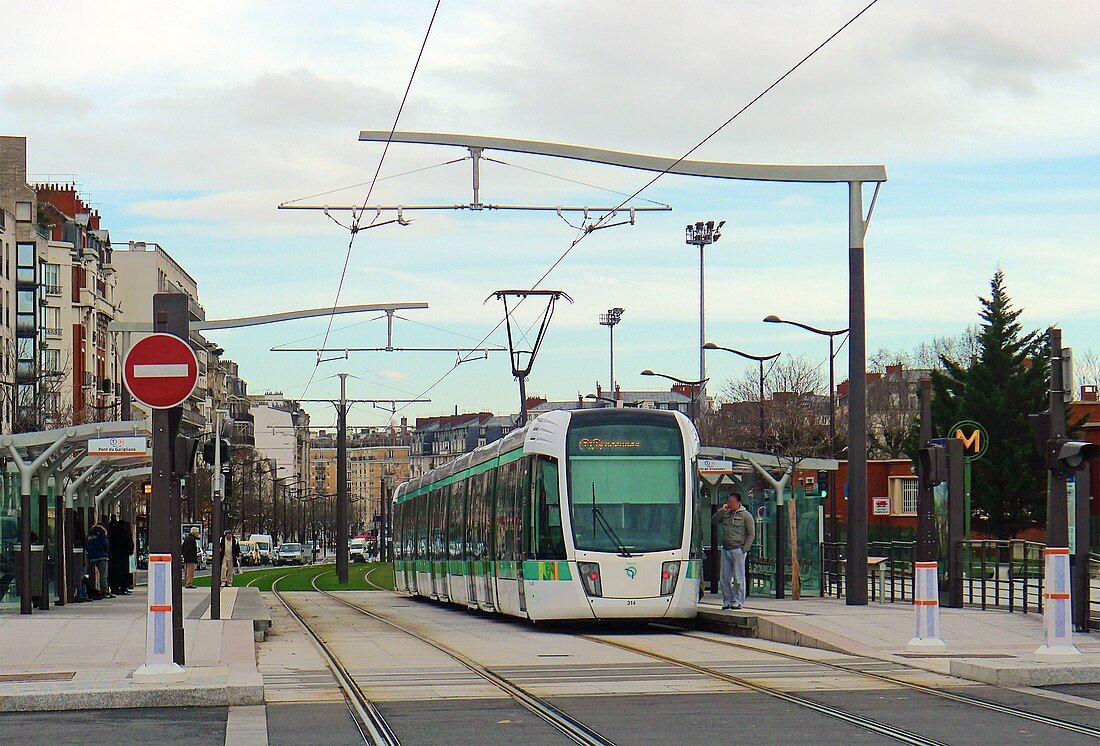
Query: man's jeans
[{"x": 733, "y": 577}]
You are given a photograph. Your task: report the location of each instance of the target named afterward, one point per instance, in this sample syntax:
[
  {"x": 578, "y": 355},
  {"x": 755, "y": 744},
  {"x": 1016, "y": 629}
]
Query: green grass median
[{"x": 369, "y": 576}]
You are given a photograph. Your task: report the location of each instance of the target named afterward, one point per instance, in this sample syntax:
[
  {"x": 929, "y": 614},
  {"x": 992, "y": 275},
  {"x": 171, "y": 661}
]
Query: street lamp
[
  {"x": 694, "y": 386},
  {"x": 773, "y": 319},
  {"x": 610, "y": 319},
  {"x": 702, "y": 234},
  {"x": 760, "y": 359}
]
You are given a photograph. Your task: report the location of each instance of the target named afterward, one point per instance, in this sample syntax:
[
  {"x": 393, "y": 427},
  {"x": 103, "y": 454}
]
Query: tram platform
[
  {"x": 82, "y": 656},
  {"x": 992, "y": 646}
]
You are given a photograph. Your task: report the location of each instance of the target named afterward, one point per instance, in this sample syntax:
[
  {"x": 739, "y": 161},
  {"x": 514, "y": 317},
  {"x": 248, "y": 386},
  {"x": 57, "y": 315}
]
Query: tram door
[
  {"x": 438, "y": 548},
  {"x": 488, "y": 536},
  {"x": 521, "y": 493},
  {"x": 471, "y": 540}
]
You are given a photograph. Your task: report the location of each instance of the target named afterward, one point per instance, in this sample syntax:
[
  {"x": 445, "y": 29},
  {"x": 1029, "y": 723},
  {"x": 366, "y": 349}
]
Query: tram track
[
  {"x": 370, "y": 721},
  {"x": 851, "y": 718},
  {"x": 966, "y": 699},
  {"x": 561, "y": 721}
]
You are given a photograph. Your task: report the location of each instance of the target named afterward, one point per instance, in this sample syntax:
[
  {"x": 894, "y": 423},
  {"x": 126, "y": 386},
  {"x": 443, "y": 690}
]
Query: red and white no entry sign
[{"x": 161, "y": 371}]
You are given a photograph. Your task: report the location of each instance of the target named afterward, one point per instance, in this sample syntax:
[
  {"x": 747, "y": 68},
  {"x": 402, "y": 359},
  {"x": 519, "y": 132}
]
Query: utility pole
[{"x": 342, "y": 484}]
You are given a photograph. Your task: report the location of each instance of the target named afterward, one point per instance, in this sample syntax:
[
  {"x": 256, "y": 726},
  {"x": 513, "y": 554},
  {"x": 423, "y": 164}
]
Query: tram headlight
[
  {"x": 590, "y": 577},
  {"x": 670, "y": 571}
]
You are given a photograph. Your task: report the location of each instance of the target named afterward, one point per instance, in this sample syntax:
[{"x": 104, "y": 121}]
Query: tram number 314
[{"x": 631, "y": 603}]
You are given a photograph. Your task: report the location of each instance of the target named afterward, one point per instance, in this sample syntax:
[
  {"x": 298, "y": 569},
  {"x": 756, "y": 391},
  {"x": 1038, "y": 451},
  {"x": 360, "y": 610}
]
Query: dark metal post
[
  {"x": 1079, "y": 554},
  {"x": 780, "y": 560},
  {"x": 832, "y": 436},
  {"x": 763, "y": 437},
  {"x": 44, "y": 537},
  {"x": 926, "y": 549},
  {"x": 170, "y": 316},
  {"x": 956, "y": 520},
  {"x": 342, "y": 485},
  {"x": 1057, "y": 510},
  {"x": 856, "y": 569}
]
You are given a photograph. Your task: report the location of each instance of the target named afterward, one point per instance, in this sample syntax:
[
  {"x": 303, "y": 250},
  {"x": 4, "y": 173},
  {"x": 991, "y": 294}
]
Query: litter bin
[{"x": 36, "y": 570}]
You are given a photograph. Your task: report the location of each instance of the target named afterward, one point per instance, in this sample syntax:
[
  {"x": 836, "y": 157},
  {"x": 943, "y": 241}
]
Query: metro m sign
[
  {"x": 974, "y": 438},
  {"x": 161, "y": 371}
]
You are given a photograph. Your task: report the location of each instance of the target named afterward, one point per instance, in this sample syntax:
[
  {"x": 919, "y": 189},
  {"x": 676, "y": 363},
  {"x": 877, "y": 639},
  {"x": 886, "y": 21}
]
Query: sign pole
[{"x": 161, "y": 371}]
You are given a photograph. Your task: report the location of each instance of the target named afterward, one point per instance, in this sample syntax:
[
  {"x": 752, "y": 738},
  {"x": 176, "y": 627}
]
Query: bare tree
[
  {"x": 1086, "y": 368},
  {"x": 795, "y": 427}
]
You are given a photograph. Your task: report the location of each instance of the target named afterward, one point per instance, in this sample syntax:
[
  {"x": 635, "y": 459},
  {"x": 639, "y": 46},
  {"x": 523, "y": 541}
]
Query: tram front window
[{"x": 626, "y": 483}]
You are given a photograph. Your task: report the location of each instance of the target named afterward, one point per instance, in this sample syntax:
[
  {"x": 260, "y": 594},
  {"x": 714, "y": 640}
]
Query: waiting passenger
[
  {"x": 738, "y": 532},
  {"x": 99, "y": 556}
]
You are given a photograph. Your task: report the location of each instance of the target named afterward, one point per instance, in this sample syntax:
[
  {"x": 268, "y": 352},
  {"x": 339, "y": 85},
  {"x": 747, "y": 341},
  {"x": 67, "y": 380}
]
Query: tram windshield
[{"x": 626, "y": 485}]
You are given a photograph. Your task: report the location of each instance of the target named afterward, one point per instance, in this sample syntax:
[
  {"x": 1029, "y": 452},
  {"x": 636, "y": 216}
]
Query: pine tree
[{"x": 1008, "y": 379}]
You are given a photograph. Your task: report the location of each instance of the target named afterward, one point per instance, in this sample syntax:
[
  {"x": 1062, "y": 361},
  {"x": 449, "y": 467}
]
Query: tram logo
[
  {"x": 596, "y": 444},
  {"x": 631, "y": 571}
]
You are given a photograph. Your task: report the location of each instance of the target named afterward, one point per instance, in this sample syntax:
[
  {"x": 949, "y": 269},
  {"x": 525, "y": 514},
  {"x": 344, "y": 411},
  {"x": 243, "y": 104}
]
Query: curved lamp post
[
  {"x": 760, "y": 359},
  {"x": 831, "y": 334},
  {"x": 696, "y": 386}
]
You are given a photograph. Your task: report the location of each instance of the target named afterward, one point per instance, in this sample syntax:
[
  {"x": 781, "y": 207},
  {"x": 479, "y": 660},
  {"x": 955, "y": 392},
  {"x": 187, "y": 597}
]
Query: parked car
[
  {"x": 250, "y": 553},
  {"x": 290, "y": 554},
  {"x": 357, "y": 550}
]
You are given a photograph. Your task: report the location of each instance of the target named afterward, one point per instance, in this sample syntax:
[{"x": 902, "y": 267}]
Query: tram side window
[
  {"x": 398, "y": 532},
  {"x": 521, "y": 494},
  {"x": 456, "y": 522},
  {"x": 549, "y": 540},
  {"x": 439, "y": 512},
  {"x": 505, "y": 523},
  {"x": 471, "y": 519},
  {"x": 478, "y": 489},
  {"x": 422, "y": 527}
]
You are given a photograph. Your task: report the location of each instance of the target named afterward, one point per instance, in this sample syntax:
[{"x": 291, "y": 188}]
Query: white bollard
[
  {"x": 159, "y": 668},
  {"x": 1057, "y": 609},
  {"x": 926, "y": 608}
]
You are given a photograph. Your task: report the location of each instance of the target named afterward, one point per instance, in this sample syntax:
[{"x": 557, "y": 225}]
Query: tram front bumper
[{"x": 659, "y": 607}]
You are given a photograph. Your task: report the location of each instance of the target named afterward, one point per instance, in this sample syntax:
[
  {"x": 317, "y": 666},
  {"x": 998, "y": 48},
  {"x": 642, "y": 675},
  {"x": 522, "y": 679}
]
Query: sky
[{"x": 188, "y": 125}]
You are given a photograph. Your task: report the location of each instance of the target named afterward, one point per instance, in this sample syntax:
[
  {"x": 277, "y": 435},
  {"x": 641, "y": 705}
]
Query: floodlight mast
[{"x": 520, "y": 370}]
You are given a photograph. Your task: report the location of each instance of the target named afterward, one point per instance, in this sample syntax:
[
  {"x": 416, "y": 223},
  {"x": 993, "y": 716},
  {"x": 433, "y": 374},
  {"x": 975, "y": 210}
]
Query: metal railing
[
  {"x": 1003, "y": 573},
  {"x": 897, "y": 570}
]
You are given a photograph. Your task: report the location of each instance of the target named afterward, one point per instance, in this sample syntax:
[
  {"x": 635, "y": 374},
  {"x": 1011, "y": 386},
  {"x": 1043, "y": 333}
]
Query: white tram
[{"x": 578, "y": 515}]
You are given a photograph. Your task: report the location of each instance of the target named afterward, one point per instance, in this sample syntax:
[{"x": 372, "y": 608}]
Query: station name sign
[
  {"x": 596, "y": 444},
  {"x": 131, "y": 446},
  {"x": 715, "y": 466}
]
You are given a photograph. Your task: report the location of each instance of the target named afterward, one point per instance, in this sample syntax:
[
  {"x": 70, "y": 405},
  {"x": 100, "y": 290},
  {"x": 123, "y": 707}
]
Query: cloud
[{"x": 36, "y": 99}]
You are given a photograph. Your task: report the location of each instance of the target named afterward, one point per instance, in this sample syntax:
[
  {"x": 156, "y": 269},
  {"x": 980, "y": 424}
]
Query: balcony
[
  {"x": 51, "y": 331},
  {"x": 51, "y": 289}
]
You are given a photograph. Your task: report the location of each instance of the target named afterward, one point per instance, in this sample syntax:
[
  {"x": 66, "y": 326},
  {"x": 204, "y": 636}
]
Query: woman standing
[{"x": 231, "y": 552}]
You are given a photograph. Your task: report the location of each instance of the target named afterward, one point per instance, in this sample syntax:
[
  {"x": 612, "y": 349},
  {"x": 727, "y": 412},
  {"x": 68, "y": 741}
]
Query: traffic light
[
  {"x": 823, "y": 483},
  {"x": 208, "y": 451},
  {"x": 1070, "y": 455},
  {"x": 933, "y": 465}
]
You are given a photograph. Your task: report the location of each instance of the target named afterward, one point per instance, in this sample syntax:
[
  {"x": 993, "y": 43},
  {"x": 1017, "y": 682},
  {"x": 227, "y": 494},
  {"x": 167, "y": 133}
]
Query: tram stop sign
[{"x": 161, "y": 371}]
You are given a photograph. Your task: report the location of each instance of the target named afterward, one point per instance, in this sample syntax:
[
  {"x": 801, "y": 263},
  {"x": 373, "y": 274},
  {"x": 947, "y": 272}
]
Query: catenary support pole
[
  {"x": 956, "y": 507},
  {"x": 342, "y": 484},
  {"x": 216, "y": 523},
  {"x": 856, "y": 568},
  {"x": 927, "y": 635},
  {"x": 1057, "y": 591}
]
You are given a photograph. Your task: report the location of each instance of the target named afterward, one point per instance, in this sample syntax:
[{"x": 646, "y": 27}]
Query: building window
[
  {"x": 51, "y": 321},
  {"x": 51, "y": 360},
  {"x": 25, "y": 261},
  {"x": 23, "y": 211},
  {"x": 51, "y": 279},
  {"x": 904, "y": 495}
]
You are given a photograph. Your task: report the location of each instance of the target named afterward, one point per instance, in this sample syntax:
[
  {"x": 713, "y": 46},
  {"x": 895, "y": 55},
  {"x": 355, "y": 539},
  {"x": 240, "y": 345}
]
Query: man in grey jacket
[{"x": 738, "y": 532}]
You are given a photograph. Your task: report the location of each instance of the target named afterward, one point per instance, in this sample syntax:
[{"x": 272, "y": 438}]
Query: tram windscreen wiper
[{"x": 606, "y": 525}]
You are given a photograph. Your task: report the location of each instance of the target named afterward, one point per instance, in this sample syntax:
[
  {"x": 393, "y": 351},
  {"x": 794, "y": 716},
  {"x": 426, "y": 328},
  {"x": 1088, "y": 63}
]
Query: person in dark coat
[
  {"x": 122, "y": 546},
  {"x": 189, "y": 550},
  {"x": 231, "y": 556},
  {"x": 99, "y": 556}
]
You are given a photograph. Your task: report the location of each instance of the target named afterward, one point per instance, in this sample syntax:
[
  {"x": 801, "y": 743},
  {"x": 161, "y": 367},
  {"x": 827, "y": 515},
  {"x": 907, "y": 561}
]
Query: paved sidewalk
[
  {"x": 81, "y": 656},
  {"x": 977, "y": 641}
]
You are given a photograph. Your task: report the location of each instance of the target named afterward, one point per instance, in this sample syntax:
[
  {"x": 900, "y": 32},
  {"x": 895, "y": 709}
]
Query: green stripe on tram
[
  {"x": 505, "y": 570},
  {"x": 460, "y": 476}
]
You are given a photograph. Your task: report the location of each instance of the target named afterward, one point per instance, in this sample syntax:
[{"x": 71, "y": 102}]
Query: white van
[{"x": 266, "y": 547}]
